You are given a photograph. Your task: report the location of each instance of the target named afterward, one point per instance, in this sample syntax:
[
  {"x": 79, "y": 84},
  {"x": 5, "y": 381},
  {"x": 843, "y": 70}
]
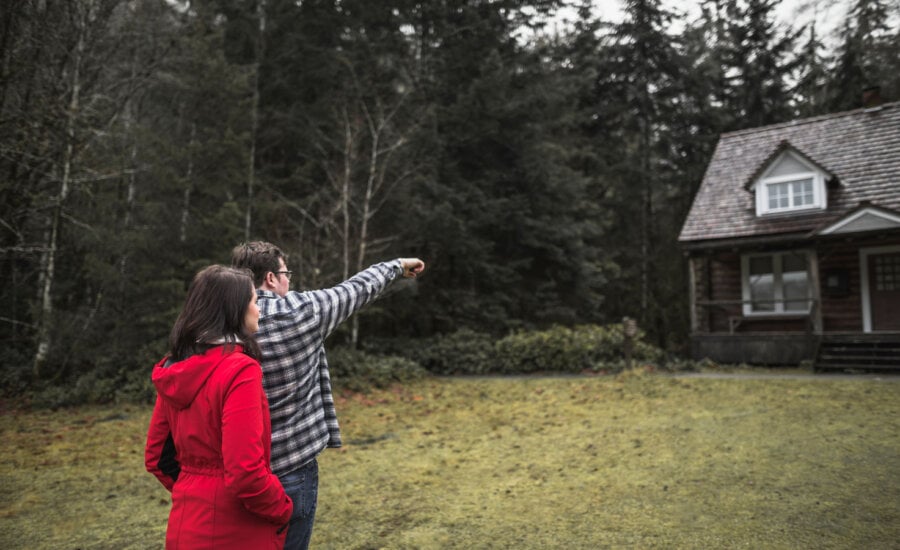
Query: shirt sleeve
[
  {"x": 159, "y": 453},
  {"x": 338, "y": 303},
  {"x": 247, "y": 472}
]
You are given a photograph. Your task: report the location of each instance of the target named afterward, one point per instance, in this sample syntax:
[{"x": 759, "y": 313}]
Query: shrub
[
  {"x": 558, "y": 349},
  {"x": 356, "y": 370},
  {"x": 570, "y": 350},
  {"x": 462, "y": 352},
  {"x": 91, "y": 387}
]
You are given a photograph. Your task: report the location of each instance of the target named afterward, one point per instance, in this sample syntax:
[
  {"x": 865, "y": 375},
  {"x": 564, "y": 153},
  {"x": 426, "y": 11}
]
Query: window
[
  {"x": 775, "y": 283},
  {"x": 790, "y": 194},
  {"x": 887, "y": 273},
  {"x": 789, "y": 185}
]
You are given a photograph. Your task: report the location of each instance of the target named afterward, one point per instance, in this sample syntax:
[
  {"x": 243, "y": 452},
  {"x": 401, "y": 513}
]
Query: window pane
[
  {"x": 762, "y": 284},
  {"x": 761, "y": 265},
  {"x": 795, "y": 282},
  {"x": 796, "y": 289},
  {"x": 762, "y": 292},
  {"x": 887, "y": 273},
  {"x": 779, "y": 195},
  {"x": 802, "y": 191},
  {"x": 793, "y": 262}
]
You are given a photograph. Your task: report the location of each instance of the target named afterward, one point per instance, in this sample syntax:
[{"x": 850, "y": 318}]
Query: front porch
[{"x": 827, "y": 352}]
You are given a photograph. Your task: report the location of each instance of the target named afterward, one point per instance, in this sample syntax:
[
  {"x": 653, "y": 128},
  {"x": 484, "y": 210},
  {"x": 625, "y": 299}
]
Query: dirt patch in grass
[{"x": 633, "y": 461}]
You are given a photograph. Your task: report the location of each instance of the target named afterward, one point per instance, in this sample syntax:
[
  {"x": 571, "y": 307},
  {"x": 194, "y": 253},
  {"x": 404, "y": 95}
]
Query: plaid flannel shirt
[{"x": 292, "y": 332}]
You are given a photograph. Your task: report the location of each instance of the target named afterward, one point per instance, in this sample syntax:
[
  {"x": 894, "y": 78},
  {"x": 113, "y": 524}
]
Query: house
[{"x": 793, "y": 244}]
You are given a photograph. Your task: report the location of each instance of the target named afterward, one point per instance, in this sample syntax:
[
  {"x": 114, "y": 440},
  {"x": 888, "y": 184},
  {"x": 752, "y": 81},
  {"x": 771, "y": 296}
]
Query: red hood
[{"x": 179, "y": 382}]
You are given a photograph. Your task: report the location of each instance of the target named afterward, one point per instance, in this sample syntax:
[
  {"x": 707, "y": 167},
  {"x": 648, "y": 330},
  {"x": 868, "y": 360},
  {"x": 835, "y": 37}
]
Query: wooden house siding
[{"x": 726, "y": 284}]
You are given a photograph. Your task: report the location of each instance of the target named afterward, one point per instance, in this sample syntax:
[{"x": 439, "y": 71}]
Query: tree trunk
[
  {"x": 364, "y": 223},
  {"x": 129, "y": 121},
  {"x": 349, "y": 159},
  {"x": 188, "y": 187},
  {"x": 48, "y": 260},
  {"x": 646, "y": 206},
  {"x": 254, "y": 116}
]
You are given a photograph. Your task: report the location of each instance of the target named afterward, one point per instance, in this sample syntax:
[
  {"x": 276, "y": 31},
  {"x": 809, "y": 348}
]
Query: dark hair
[
  {"x": 214, "y": 312},
  {"x": 259, "y": 257}
]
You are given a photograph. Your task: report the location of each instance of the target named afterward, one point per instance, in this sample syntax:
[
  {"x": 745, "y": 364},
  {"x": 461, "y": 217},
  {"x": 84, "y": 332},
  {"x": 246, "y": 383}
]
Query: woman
[{"x": 209, "y": 437}]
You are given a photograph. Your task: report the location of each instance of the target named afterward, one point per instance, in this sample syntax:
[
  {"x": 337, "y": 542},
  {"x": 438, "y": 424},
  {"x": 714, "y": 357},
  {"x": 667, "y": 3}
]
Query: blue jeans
[{"x": 303, "y": 487}]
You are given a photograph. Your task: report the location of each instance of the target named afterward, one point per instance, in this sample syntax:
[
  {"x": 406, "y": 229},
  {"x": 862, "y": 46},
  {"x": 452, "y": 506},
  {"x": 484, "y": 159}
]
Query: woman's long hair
[{"x": 214, "y": 312}]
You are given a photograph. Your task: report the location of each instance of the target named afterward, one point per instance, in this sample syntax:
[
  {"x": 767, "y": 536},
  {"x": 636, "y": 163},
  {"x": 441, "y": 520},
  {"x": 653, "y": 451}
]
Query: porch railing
[{"x": 734, "y": 313}]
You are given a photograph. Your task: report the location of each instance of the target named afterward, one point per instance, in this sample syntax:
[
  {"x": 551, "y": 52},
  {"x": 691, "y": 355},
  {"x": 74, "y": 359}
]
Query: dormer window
[{"x": 790, "y": 184}]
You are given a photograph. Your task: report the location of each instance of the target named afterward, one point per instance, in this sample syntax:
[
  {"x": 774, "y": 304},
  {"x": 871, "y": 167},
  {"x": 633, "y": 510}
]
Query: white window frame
[
  {"x": 778, "y": 284},
  {"x": 763, "y": 184}
]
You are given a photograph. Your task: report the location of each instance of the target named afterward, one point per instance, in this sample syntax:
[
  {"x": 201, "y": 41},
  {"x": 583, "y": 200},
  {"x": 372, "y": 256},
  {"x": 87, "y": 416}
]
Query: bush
[
  {"x": 462, "y": 352},
  {"x": 570, "y": 350},
  {"x": 90, "y": 388},
  {"x": 98, "y": 386},
  {"x": 559, "y": 349},
  {"x": 355, "y": 370}
]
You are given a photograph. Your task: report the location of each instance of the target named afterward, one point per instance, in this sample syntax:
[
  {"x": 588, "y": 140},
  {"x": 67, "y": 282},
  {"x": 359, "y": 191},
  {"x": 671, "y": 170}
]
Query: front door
[{"x": 884, "y": 290}]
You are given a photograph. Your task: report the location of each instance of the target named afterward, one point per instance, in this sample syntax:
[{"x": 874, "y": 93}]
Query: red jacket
[{"x": 209, "y": 443}]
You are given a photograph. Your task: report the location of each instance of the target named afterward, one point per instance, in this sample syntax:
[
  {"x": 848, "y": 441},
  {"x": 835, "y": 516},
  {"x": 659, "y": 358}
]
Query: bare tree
[
  {"x": 84, "y": 17},
  {"x": 254, "y": 113},
  {"x": 364, "y": 169}
]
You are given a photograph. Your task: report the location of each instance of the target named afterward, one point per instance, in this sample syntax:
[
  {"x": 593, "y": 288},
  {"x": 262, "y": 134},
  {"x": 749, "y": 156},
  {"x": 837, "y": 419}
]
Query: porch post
[
  {"x": 816, "y": 291},
  {"x": 692, "y": 293}
]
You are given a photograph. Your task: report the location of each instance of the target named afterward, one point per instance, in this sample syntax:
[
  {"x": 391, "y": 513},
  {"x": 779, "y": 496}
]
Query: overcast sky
[{"x": 828, "y": 13}]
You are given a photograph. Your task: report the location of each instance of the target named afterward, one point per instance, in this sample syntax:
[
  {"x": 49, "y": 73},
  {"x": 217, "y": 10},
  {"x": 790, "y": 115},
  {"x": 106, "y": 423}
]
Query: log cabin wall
[{"x": 725, "y": 278}]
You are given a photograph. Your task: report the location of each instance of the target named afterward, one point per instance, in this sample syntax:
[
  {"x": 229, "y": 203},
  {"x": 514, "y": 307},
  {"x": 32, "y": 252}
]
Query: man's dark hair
[
  {"x": 214, "y": 312},
  {"x": 259, "y": 257}
]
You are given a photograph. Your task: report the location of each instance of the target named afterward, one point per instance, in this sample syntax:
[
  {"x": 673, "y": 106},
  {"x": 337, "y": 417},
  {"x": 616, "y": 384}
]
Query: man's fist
[{"x": 412, "y": 267}]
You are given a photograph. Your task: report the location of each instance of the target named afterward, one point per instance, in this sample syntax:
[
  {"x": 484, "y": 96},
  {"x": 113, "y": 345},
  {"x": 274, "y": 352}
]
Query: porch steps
[{"x": 871, "y": 353}]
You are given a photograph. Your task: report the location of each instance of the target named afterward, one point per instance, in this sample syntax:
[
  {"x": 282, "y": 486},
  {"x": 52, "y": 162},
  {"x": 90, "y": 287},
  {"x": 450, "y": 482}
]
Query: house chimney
[{"x": 871, "y": 97}]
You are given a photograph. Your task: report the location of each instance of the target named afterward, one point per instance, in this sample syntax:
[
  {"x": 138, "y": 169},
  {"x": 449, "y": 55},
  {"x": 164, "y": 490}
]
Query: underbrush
[
  {"x": 585, "y": 348},
  {"x": 570, "y": 350},
  {"x": 357, "y": 371}
]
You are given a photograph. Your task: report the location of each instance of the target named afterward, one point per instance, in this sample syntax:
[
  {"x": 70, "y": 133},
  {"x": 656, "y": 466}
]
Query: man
[{"x": 292, "y": 330}]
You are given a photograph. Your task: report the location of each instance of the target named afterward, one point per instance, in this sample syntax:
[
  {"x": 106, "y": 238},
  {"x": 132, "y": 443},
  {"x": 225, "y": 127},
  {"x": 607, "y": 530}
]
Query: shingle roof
[{"x": 860, "y": 148}]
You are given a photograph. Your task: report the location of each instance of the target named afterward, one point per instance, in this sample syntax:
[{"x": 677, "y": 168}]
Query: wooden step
[
  {"x": 895, "y": 367},
  {"x": 861, "y": 359},
  {"x": 877, "y": 352}
]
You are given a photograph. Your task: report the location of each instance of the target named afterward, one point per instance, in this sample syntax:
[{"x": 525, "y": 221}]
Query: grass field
[{"x": 634, "y": 461}]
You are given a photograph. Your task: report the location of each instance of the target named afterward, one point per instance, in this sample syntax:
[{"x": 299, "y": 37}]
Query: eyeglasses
[{"x": 285, "y": 273}]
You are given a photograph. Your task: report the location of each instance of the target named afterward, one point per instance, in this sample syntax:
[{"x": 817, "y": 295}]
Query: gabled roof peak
[
  {"x": 781, "y": 147},
  {"x": 865, "y": 217}
]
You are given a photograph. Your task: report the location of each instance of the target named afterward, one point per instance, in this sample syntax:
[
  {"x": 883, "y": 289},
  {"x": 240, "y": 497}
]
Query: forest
[{"x": 542, "y": 171}]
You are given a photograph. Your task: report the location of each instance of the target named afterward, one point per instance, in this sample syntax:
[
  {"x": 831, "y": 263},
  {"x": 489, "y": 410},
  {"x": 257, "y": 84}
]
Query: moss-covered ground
[{"x": 633, "y": 461}]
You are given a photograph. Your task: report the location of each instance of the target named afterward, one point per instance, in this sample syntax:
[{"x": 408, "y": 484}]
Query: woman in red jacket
[{"x": 209, "y": 437}]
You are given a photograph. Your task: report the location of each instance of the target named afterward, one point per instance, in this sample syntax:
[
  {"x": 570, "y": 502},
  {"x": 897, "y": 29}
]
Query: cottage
[{"x": 793, "y": 244}]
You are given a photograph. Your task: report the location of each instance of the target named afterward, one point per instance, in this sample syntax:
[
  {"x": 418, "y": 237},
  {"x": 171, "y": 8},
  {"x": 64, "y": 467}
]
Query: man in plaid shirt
[{"x": 292, "y": 330}]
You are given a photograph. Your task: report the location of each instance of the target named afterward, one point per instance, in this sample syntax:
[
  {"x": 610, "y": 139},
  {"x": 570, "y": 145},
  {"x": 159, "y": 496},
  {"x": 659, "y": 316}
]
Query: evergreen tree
[
  {"x": 638, "y": 101},
  {"x": 810, "y": 90},
  {"x": 867, "y": 55},
  {"x": 758, "y": 63}
]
